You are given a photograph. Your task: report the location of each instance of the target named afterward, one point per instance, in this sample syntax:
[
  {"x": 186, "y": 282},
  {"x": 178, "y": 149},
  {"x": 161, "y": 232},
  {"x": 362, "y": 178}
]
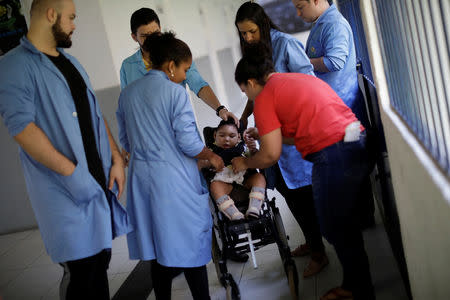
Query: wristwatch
[{"x": 219, "y": 109}]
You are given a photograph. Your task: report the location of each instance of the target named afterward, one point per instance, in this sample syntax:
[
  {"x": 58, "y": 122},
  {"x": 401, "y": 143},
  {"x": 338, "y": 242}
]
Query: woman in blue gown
[{"x": 167, "y": 202}]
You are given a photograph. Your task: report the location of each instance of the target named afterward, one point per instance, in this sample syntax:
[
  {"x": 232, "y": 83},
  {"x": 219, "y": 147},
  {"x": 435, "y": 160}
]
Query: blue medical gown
[
  {"x": 133, "y": 68},
  {"x": 331, "y": 37},
  {"x": 167, "y": 202},
  {"x": 72, "y": 212},
  {"x": 289, "y": 56}
]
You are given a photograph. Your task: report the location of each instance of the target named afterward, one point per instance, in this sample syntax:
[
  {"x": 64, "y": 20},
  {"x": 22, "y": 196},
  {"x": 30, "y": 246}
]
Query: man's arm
[
  {"x": 336, "y": 46},
  {"x": 319, "y": 65},
  {"x": 117, "y": 172},
  {"x": 36, "y": 143},
  {"x": 207, "y": 95},
  {"x": 248, "y": 110}
]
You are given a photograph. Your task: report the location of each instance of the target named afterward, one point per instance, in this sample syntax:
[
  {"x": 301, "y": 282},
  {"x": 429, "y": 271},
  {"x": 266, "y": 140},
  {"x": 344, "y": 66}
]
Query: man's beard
[{"x": 62, "y": 39}]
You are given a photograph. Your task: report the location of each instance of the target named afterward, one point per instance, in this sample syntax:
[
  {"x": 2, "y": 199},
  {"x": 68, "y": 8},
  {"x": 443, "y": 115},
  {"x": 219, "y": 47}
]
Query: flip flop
[{"x": 337, "y": 293}]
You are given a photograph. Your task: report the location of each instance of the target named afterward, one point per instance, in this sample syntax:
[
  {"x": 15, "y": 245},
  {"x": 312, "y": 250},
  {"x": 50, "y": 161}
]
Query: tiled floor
[{"x": 26, "y": 271}]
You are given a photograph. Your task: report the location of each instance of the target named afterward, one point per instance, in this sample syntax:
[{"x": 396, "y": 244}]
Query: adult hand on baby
[
  {"x": 224, "y": 114},
  {"x": 216, "y": 162},
  {"x": 239, "y": 164},
  {"x": 251, "y": 132},
  {"x": 250, "y": 140}
]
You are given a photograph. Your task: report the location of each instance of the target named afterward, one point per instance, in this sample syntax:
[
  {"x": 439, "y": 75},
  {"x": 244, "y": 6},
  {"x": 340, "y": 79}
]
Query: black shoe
[{"x": 238, "y": 257}]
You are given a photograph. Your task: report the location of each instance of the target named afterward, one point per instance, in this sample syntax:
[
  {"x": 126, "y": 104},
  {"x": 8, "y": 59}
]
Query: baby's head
[{"x": 226, "y": 134}]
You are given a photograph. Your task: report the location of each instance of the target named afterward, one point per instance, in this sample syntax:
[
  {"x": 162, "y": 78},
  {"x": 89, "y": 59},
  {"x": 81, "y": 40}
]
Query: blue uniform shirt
[
  {"x": 133, "y": 68},
  {"x": 166, "y": 199},
  {"x": 289, "y": 56},
  {"x": 72, "y": 212},
  {"x": 331, "y": 37}
]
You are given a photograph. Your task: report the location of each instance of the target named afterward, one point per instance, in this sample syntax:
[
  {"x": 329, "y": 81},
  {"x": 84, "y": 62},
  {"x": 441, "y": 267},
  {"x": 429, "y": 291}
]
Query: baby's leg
[
  {"x": 220, "y": 191},
  {"x": 257, "y": 184}
]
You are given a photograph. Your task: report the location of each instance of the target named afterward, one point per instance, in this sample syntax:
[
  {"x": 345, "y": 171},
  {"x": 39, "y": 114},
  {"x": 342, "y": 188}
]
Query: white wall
[
  {"x": 207, "y": 26},
  {"x": 202, "y": 24},
  {"x": 422, "y": 191},
  {"x": 90, "y": 43}
]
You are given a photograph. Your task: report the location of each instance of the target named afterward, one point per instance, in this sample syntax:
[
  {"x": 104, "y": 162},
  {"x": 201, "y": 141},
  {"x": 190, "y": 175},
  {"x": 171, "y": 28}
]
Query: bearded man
[{"x": 73, "y": 170}]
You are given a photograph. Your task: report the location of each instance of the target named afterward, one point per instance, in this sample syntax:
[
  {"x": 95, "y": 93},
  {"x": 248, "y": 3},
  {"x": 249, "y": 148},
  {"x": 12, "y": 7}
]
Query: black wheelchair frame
[{"x": 248, "y": 235}]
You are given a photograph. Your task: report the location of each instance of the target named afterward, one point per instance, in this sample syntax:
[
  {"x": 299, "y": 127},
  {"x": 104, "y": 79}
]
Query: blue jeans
[{"x": 337, "y": 175}]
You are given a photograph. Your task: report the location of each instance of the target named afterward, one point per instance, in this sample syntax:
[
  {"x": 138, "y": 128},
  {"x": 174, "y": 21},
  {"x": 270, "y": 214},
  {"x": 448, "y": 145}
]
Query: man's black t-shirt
[{"x": 79, "y": 94}]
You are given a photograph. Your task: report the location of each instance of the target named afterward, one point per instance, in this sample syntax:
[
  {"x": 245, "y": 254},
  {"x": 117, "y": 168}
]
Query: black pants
[
  {"x": 338, "y": 174},
  {"x": 86, "y": 278},
  {"x": 301, "y": 203},
  {"x": 366, "y": 204},
  {"x": 197, "y": 279}
]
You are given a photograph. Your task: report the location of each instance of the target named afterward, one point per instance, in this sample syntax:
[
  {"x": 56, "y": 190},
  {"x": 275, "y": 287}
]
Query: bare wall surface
[{"x": 424, "y": 217}]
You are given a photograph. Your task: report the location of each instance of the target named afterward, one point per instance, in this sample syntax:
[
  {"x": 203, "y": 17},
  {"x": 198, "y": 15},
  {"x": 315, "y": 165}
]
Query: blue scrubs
[
  {"x": 133, "y": 68},
  {"x": 331, "y": 37},
  {"x": 289, "y": 56},
  {"x": 72, "y": 212},
  {"x": 167, "y": 202}
]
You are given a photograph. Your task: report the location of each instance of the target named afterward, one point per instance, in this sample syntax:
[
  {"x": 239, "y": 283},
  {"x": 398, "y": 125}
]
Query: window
[{"x": 415, "y": 37}]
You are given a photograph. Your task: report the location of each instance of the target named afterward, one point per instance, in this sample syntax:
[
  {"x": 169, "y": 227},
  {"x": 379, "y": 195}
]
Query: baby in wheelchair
[{"x": 228, "y": 145}]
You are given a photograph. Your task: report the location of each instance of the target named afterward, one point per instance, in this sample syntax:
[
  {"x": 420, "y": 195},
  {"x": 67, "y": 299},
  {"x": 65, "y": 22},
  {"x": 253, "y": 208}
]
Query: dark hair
[
  {"x": 141, "y": 17},
  {"x": 230, "y": 121},
  {"x": 164, "y": 47},
  {"x": 256, "y": 63},
  {"x": 250, "y": 11}
]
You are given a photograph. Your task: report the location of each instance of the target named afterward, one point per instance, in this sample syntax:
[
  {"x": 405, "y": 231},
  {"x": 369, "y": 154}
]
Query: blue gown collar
[
  {"x": 331, "y": 10},
  {"x": 158, "y": 73}
]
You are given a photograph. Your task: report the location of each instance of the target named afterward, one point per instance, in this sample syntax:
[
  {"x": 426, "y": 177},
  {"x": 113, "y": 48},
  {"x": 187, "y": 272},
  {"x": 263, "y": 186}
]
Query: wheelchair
[{"x": 247, "y": 236}]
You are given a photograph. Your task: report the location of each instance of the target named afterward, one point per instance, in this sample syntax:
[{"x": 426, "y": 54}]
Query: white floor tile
[
  {"x": 116, "y": 282},
  {"x": 23, "y": 254},
  {"x": 19, "y": 235},
  {"x": 43, "y": 260},
  {"x": 6, "y": 276},
  {"x": 119, "y": 244},
  {"x": 120, "y": 263},
  {"x": 34, "y": 283},
  {"x": 264, "y": 288},
  {"x": 8, "y": 241},
  {"x": 52, "y": 294}
]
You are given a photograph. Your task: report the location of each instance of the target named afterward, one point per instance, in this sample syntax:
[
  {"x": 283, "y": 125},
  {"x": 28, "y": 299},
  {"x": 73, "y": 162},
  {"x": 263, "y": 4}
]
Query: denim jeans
[{"x": 337, "y": 175}]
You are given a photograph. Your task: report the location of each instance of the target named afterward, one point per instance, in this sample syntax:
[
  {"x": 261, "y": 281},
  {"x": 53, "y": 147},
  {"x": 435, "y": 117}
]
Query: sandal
[
  {"x": 337, "y": 293},
  {"x": 301, "y": 250},
  {"x": 315, "y": 266}
]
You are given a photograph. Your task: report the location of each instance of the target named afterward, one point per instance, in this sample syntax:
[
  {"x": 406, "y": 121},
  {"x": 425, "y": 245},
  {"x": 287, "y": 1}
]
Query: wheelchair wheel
[
  {"x": 216, "y": 255},
  {"x": 232, "y": 291},
  {"x": 225, "y": 278},
  {"x": 285, "y": 253},
  {"x": 282, "y": 239},
  {"x": 291, "y": 271}
]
